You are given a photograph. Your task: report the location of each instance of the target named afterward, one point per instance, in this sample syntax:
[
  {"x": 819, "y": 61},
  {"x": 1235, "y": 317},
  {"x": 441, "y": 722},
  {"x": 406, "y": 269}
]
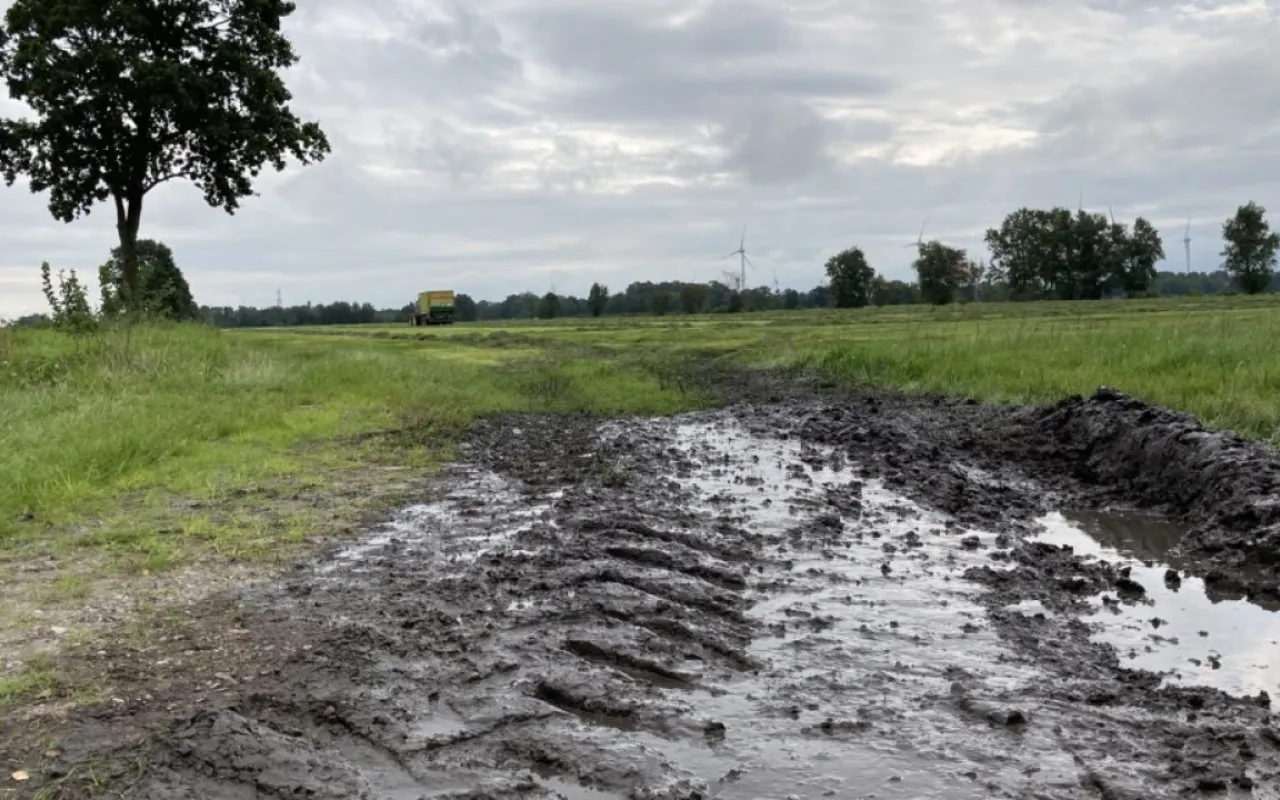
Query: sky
[{"x": 499, "y": 146}]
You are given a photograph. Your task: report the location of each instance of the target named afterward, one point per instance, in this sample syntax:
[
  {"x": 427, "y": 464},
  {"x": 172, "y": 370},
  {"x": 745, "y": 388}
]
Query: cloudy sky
[{"x": 495, "y": 146}]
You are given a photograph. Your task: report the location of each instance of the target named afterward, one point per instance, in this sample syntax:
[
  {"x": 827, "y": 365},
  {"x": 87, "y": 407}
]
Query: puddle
[
  {"x": 1146, "y": 537},
  {"x": 574, "y": 791},
  {"x": 1181, "y": 631},
  {"x": 442, "y": 723},
  {"x": 552, "y": 780},
  {"x": 480, "y": 513},
  {"x": 866, "y": 622}
]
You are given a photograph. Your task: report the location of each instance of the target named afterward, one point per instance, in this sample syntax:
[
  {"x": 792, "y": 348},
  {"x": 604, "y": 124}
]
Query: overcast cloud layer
[{"x": 495, "y": 146}]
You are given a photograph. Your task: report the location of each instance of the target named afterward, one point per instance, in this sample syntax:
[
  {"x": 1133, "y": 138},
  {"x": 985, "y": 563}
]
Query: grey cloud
[
  {"x": 630, "y": 68},
  {"x": 445, "y": 149},
  {"x": 455, "y": 57},
  {"x": 775, "y": 141},
  {"x": 612, "y": 40}
]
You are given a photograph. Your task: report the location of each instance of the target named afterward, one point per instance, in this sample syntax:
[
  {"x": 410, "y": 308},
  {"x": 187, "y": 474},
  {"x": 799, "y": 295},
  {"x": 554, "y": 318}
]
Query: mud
[{"x": 852, "y": 597}]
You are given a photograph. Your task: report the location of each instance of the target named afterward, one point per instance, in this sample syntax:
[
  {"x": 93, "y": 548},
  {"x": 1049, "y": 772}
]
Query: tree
[
  {"x": 464, "y": 308},
  {"x": 1142, "y": 251},
  {"x": 549, "y": 306},
  {"x": 735, "y": 302},
  {"x": 1028, "y": 248},
  {"x": 1250, "y": 250},
  {"x": 660, "y": 303},
  {"x": 597, "y": 299},
  {"x": 162, "y": 290},
  {"x": 131, "y": 94},
  {"x": 942, "y": 270},
  {"x": 851, "y": 278},
  {"x": 885, "y": 292},
  {"x": 693, "y": 297}
]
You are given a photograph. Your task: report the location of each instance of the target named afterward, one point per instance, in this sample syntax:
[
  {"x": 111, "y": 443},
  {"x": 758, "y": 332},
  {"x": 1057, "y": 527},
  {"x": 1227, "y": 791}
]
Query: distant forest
[{"x": 654, "y": 299}]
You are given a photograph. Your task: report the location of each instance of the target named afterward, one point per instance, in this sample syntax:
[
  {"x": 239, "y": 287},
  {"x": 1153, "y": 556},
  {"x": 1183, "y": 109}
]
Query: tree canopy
[
  {"x": 942, "y": 270},
  {"x": 1082, "y": 256},
  {"x": 162, "y": 290},
  {"x": 851, "y": 278},
  {"x": 1250, "y": 250},
  {"x": 130, "y": 94}
]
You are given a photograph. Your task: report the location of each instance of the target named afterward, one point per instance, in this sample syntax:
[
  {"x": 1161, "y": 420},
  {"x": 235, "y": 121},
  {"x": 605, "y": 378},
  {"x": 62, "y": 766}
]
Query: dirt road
[{"x": 854, "y": 597}]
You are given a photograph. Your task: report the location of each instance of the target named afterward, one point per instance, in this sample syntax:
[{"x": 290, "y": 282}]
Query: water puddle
[
  {"x": 1177, "y": 629},
  {"x": 551, "y": 779},
  {"x": 482, "y": 512},
  {"x": 867, "y": 622},
  {"x": 441, "y": 723}
]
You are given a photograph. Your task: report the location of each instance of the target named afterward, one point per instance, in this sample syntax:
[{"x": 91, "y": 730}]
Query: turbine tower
[
  {"x": 741, "y": 252},
  {"x": 1186, "y": 243}
]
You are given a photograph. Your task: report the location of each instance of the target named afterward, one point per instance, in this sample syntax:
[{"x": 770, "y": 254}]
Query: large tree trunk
[{"x": 128, "y": 218}]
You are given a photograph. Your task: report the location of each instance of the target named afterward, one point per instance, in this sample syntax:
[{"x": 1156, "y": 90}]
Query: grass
[
  {"x": 160, "y": 444},
  {"x": 36, "y": 679},
  {"x": 1212, "y": 356},
  {"x": 128, "y": 441}
]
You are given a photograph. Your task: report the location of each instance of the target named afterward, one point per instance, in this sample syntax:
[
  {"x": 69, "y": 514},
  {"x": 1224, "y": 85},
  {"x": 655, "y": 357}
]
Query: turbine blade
[
  {"x": 731, "y": 255},
  {"x": 744, "y": 258}
]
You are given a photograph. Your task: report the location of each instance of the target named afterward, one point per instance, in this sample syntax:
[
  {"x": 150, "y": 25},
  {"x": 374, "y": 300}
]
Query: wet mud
[{"x": 854, "y": 597}]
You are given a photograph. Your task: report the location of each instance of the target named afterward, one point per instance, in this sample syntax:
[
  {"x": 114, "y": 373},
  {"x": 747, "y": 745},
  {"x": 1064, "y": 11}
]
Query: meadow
[{"x": 154, "y": 446}]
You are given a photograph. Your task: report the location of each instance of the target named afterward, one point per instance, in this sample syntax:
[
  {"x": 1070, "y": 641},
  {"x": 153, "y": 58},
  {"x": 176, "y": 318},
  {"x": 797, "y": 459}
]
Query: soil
[{"x": 805, "y": 594}]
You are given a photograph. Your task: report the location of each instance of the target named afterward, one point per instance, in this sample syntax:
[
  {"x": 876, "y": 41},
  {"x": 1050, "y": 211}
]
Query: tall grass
[
  {"x": 1221, "y": 367},
  {"x": 1212, "y": 356},
  {"x": 182, "y": 409}
]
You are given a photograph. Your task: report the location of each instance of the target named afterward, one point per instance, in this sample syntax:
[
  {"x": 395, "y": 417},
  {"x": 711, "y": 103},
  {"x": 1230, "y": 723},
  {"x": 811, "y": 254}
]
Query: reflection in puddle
[
  {"x": 1179, "y": 629},
  {"x": 1144, "y": 536}
]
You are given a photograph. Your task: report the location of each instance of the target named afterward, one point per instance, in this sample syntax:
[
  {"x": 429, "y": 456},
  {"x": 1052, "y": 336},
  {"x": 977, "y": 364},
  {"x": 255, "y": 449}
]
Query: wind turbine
[
  {"x": 918, "y": 244},
  {"x": 1186, "y": 243},
  {"x": 742, "y": 253}
]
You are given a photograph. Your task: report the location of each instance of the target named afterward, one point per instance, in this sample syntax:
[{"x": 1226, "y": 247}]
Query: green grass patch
[
  {"x": 1212, "y": 356},
  {"x": 134, "y": 441},
  {"x": 37, "y": 679}
]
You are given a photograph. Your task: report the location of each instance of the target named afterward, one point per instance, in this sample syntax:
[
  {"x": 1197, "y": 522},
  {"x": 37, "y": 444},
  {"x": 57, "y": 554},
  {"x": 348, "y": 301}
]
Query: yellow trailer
[{"x": 435, "y": 307}]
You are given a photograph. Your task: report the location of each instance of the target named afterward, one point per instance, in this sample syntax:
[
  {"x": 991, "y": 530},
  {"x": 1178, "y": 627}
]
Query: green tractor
[{"x": 434, "y": 308}]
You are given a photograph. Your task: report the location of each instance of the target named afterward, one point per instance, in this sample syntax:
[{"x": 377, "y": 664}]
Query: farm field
[{"x": 154, "y": 475}]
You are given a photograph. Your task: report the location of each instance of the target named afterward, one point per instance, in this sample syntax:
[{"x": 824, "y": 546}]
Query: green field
[{"x": 164, "y": 444}]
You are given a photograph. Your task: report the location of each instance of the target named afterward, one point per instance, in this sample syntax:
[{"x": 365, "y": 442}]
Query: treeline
[
  {"x": 1035, "y": 254},
  {"x": 653, "y": 298}
]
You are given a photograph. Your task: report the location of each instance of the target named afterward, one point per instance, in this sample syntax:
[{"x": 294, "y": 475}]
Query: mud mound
[
  {"x": 220, "y": 754},
  {"x": 1164, "y": 458}
]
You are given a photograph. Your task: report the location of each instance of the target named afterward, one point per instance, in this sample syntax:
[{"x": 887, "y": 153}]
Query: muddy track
[{"x": 798, "y": 597}]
